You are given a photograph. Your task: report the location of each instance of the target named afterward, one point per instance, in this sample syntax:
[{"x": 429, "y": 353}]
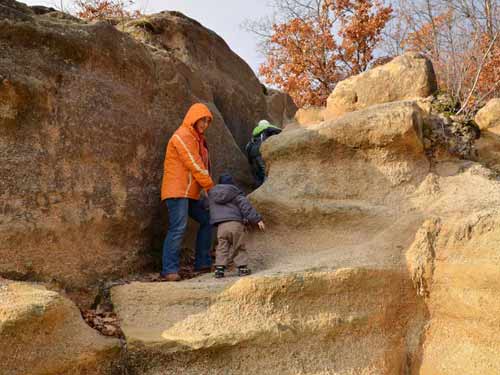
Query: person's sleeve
[
  {"x": 205, "y": 203},
  {"x": 249, "y": 213},
  {"x": 271, "y": 132},
  {"x": 274, "y": 131},
  {"x": 248, "y": 149},
  {"x": 260, "y": 162},
  {"x": 185, "y": 147}
]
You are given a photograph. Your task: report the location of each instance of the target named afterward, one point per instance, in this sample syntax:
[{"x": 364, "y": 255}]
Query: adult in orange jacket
[{"x": 186, "y": 174}]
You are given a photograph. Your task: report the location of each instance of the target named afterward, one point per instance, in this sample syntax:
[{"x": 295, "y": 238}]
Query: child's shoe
[
  {"x": 244, "y": 271},
  {"x": 219, "y": 272}
]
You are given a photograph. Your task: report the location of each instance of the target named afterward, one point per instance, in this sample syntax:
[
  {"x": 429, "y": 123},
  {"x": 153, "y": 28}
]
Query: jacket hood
[
  {"x": 226, "y": 179},
  {"x": 223, "y": 194},
  {"x": 261, "y": 126},
  {"x": 196, "y": 112}
]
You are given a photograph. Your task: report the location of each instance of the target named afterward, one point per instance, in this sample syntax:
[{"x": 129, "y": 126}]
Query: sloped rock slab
[
  {"x": 43, "y": 333},
  {"x": 344, "y": 320}
]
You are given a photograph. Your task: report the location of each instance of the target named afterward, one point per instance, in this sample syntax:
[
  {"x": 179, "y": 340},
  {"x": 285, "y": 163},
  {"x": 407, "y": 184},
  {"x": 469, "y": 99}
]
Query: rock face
[
  {"x": 489, "y": 115},
  {"x": 42, "y": 333},
  {"x": 379, "y": 259},
  {"x": 389, "y": 134},
  {"x": 303, "y": 323},
  {"x": 281, "y": 108},
  {"x": 223, "y": 77},
  {"x": 409, "y": 76},
  {"x": 488, "y": 146},
  {"x": 85, "y": 115},
  {"x": 310, "y": 116},
  {"x": 447, "y": 135},
  {"x": 462, "y": 296}
]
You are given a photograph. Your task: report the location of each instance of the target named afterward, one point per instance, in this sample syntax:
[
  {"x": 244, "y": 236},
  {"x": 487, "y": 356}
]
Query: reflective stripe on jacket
[{"x": 185, "y": 174}]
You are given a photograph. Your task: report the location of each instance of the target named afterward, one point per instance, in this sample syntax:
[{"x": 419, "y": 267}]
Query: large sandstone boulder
[
  {"x": 389, "y": 135},
  {"x": 223, "y": 76},
  {"x": 43, "y": 333},
  {"x": 310, "y": 116},
  {"x": 85, "y": 115},
  {"x": 280, "y": 107},
  {"x": 410, "y": 76},
  {"x": 488, "y": 146},
  {"x": 15, "y": 10},
  {"x": 489, "y": 115}
]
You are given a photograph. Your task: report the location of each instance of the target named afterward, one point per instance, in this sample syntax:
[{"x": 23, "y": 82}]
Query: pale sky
[{"x": 222, "y": 16}]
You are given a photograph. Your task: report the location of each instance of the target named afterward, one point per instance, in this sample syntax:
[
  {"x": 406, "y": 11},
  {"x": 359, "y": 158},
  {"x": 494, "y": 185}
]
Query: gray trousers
[{"x": 231, "y": 244}]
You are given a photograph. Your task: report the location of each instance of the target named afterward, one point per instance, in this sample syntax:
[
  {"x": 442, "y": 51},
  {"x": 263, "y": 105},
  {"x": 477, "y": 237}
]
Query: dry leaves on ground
[{"x": 105, "y": 322}]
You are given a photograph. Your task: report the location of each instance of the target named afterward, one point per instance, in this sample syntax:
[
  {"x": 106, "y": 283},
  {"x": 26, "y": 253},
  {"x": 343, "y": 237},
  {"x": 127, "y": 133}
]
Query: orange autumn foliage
[
  {"x": 92, "y": 10},
  {"x": 362, "y": 22},
  {"x": 471, "y": 74},
  {"x": 489, "y": 78},
  {"x": 307, "y": 56},
  {"x": 423, "y": 40}
]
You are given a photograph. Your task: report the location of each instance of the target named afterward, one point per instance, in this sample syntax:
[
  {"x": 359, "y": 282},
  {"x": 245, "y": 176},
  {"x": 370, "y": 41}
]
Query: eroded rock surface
[
  {"x": 310, "y": 116},
  {"x": 43, "y": 333},
  {"x": 410, "y": 76},
  {"x": 345, "y": 186},
  {"x": 488, "y": 146},
  {"x": 463, "y": 334},
  {"x": 489, "y": 115},
  {"x": 304, "y": 322},
  {"x": 221, "y": 75}
]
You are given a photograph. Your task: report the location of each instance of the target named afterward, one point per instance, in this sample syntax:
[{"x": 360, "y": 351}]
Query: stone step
[{"x": 193, "y": 318}]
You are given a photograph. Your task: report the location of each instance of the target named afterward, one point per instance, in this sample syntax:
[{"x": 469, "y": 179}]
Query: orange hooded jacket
[{"x": 185, "y": 173}]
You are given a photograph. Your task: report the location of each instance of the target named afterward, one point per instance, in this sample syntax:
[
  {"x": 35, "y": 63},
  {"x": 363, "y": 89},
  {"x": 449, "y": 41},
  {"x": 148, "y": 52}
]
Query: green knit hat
[{"x": 261, "y": 126}]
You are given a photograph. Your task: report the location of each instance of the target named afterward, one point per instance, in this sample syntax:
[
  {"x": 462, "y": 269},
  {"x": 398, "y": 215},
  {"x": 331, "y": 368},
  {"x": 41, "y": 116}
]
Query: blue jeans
[{"x": 178, "y": 211}]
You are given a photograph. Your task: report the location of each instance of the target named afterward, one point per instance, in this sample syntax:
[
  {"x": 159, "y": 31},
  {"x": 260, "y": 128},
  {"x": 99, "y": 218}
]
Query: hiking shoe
[
  {"x": 170, "y": 277},
  {"x": 219, "y": 272},
  {"x": 244, "y": 271}
]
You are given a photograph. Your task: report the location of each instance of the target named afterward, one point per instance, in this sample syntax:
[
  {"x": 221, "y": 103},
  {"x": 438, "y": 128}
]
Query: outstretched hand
[{"x": 261, "y": 225}]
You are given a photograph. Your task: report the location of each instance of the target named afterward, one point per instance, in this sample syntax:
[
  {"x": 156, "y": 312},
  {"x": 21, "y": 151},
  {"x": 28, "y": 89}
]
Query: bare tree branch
[{"x": 478, "y": 74}]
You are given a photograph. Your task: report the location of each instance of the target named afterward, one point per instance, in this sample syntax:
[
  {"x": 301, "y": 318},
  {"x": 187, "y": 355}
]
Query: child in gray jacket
[{"x": 230, "y": 210}]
